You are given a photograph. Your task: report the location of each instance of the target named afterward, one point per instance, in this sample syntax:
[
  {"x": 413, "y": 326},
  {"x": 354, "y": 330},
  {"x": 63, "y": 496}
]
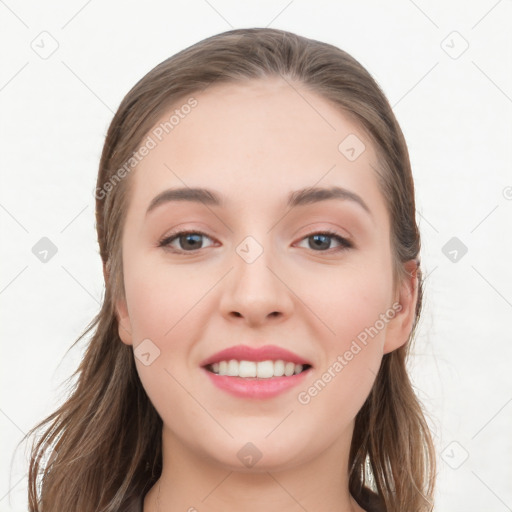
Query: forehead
[{"x": 257, "y": 138}]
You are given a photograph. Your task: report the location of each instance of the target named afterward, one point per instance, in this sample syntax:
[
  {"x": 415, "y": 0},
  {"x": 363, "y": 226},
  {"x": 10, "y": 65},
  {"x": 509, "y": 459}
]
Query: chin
[
  {"x": 271, "y": 462},
  {"x": 257, "y": 454}
]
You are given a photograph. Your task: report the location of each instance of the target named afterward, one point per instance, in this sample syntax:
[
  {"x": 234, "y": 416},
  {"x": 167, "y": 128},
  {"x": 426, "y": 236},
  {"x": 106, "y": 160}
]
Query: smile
[
  {"x": 261, "y": 370},
  {"x": 254, "y": 387},
  {"x": 256, "y": 373}
]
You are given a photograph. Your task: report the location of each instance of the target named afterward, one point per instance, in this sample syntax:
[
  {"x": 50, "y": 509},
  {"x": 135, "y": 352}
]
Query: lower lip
[{"x": 256, "y": 388}]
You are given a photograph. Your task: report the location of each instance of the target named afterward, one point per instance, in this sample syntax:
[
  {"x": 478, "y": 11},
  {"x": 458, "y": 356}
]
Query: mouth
[
  {"x": 257, "y": 369},
  {"x": 256, "y": 373}
]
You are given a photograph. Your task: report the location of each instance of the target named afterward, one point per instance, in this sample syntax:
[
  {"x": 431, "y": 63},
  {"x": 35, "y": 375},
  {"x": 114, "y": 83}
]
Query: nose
[{"x": 256, "y": 290}]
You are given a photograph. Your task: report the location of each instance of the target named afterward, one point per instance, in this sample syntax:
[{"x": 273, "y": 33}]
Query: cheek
[
  {"x": 166, "y": 306},
  {"x": 163, "y": 308},
  {"x": 350, "y": 357},
  {"x": 346, "y": 299},
  {"x": 351, "y": 303},
  {"x": 159, "y": 297}
]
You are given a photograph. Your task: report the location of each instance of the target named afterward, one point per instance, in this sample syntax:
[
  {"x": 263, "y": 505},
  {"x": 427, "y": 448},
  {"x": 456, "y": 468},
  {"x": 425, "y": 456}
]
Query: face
[{"x": 310, "y": 276}]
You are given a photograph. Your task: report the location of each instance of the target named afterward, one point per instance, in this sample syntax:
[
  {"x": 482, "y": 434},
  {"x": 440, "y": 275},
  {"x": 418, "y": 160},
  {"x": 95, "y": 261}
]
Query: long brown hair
[{"x": 103, "y": 445}]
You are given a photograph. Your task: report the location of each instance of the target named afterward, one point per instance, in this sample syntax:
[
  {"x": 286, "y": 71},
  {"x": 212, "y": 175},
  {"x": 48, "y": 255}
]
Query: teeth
[
  {"x": 264, "y": 369},
  {"x": 289, "y": 368},
  {"x": 279, "y": 368},
  {"x": 232, "y": 370},
  {"x": 245, "y": 368},
  {"x": 261, "y": 369}
]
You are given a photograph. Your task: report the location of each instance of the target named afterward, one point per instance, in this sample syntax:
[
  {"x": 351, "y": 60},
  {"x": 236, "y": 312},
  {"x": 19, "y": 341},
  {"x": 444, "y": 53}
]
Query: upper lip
[{"x": 247, "y": 353}]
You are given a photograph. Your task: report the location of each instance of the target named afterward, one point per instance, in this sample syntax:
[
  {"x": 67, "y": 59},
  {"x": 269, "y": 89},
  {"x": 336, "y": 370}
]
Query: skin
[{"x": 254, "y": 143}]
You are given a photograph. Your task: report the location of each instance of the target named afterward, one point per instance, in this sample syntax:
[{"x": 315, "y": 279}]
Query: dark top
[{"x": 370, "y": 501}]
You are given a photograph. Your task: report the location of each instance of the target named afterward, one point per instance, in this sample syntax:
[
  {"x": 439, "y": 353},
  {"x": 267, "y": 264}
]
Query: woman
[{"x": 256, "y": 221}]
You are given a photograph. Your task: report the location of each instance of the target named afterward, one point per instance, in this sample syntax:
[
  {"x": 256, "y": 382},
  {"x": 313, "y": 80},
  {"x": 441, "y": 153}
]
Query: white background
[{"x": 455, "y": 114}]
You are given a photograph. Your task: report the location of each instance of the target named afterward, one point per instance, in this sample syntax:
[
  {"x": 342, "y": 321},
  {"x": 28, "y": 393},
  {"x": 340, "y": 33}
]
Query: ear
[
  {"x": 123, "y": 322},
  {"x": 106, "y": 272},
  {"x": 399, "y": 327},
  {"x": 123, "y": 319}
]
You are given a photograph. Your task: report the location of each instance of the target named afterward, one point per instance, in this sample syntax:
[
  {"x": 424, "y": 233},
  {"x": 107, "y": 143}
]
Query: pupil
[
  {"x": 194, "y": 237},
  {"x": 324, "y": 245}
]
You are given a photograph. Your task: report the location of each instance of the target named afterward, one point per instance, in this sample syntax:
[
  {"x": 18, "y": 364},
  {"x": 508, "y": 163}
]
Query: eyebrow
[{"x": 300, "y": 197}]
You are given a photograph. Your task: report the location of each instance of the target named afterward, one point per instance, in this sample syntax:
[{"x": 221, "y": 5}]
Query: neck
[{"x": 190, "y": 482}]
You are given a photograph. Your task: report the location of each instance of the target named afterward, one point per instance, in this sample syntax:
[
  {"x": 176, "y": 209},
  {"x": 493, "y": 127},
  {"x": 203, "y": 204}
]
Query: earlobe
[
  {"x": 106, "y": 273},
  {"x": 399, "y": 328},
  {"x": 123, "y": 321}
]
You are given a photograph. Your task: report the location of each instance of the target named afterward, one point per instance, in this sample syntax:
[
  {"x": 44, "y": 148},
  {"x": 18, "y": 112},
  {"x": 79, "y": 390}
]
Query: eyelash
[{"x": 165, "y": 242}]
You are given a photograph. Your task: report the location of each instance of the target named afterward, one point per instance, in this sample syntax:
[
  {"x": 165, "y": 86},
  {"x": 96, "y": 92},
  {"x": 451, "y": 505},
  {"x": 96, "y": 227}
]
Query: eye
[
  {"x": 321, "y": 241},
  {"x": 188, "y": 240}
]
